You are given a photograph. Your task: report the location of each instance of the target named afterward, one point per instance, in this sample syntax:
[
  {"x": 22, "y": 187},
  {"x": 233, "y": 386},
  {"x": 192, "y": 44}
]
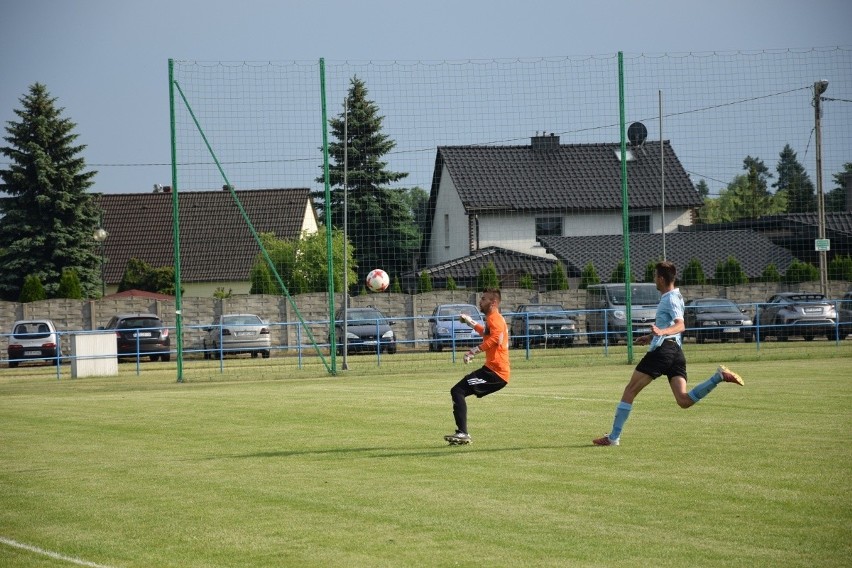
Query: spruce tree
[
  {"x": 794, "y": 181},
  {"x": 557, "y": 279},
  {"x": 48, "y": 218},
  {"x": 381, "y": 224},
  {"x": 425, "y": 282},
  {"x": 487, "y": 278}
]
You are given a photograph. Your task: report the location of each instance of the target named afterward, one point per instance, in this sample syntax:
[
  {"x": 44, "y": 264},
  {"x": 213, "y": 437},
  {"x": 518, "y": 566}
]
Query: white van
[{"x": 606, "y": 315}]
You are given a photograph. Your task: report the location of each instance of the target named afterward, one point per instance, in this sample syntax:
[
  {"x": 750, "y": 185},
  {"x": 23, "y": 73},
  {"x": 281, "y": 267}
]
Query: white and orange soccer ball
[{"x": 377, "y": 280}]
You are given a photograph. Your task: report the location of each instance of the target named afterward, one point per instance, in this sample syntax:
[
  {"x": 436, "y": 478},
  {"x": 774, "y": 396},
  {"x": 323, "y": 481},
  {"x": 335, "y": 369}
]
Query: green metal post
[
  {"x": 176, "y": 227},
  {"x": 625, "y": 208},
  {"x": 328, "y": 232}
]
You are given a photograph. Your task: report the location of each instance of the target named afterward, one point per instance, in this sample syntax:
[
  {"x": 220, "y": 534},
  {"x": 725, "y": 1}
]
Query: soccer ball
[{"x": 377, "y": 280}]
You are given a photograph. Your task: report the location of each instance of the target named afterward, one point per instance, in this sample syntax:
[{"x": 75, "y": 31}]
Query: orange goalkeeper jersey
[{"x": 495, "y": 343}]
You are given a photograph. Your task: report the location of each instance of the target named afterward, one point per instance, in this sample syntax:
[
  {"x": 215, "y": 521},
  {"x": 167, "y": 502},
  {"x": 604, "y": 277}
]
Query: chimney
[{"x": 544, "y": 143}]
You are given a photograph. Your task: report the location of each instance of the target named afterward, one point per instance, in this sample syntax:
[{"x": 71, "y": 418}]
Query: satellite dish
[{"x": 637, "y": 133}]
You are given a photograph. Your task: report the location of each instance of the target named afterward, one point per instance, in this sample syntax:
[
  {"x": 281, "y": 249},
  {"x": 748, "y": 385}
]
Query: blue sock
[
  {"x": 702, "y": 390},
  {"x": 622, "y": 411}
]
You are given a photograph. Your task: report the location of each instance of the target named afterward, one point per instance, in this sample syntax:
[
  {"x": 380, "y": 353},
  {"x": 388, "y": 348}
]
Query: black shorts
[
  {"x": 667, "y": 359},
  {"x": 481, "y": 382}
]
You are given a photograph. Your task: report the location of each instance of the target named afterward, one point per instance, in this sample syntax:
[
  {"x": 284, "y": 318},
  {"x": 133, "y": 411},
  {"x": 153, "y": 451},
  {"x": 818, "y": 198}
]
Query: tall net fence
[
  {"x": 453, "y": 144},
  {"x": 453, "y": 167}
]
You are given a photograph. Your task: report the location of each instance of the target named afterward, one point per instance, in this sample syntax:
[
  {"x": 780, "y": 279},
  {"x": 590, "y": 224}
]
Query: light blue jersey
[{"x": 669, "y": 309}]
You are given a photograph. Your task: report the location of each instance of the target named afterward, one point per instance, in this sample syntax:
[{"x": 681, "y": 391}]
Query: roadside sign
[{"x": 821, "y": 245}]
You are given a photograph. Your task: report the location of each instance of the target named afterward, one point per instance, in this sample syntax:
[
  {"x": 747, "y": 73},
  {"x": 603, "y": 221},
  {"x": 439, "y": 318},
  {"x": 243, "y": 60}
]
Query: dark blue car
[{"x": 445, "y": 329}]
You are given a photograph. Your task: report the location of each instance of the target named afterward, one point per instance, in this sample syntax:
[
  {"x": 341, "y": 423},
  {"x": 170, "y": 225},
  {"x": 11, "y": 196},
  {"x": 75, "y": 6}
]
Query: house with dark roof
[
  {"x": 512, "y": 196},
  {"x": 217, "y": 248}
]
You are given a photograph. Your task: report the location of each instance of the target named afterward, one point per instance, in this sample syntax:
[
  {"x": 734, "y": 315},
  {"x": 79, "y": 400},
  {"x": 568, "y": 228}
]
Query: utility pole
[{"x": 819, "y": 89}]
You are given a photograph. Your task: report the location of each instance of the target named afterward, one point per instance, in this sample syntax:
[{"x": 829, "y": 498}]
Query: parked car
[
  {"x": 230, "y": 334},
  {"x": 140, "y": 335},
  {"x": 716, "y": 318},
  {"x": 805, "y": 314},
  {"x": 445, "y": 329},
  {"x": 542, "y": 324},
  {"x": 606, "y": 315},
  {"x": 32, "y": 340},
  {"x": 367, "y": 330},
  {"x": 844, "y": 314}
]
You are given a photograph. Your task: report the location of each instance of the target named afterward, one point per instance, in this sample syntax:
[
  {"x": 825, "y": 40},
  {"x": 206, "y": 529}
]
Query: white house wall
[{"x": 449, "y": 225}]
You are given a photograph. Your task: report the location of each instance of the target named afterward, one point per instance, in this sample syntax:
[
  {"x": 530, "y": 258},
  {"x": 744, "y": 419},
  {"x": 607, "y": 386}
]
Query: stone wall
[{"x": 409, "y": 311}]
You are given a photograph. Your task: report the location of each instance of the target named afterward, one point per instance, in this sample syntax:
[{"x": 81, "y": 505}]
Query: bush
[
  {"x": 770, "y": 273},
  {"x": 487, "y": 278},
  {"x": 799, "y": 272},
  {"x": 840, "y": 268},
  {"x": 526, "y": 282},
  {"x": 589, "y": 276},
  {"x": 424, "y": 282},
  {"x": 693, "y": 274},
  {"x": 69, "y": 285},
  {"x": 557, "y": 279},
  {"x": 618, "y": 274},
  {"x": 451, "y": 283},
  {"x": 650, "y": 271},
  {"x": 730, "y": 273},
  {"x": 32, "y": 290}
]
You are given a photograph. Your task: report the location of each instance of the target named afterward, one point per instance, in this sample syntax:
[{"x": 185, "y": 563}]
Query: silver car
[
  {"x": 805, "y": 314},
  {"x": 230, "y": 334},
  {"x": 34, "y": 339}
]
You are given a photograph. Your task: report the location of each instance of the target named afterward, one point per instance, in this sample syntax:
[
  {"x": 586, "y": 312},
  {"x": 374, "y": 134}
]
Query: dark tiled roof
[
  {"x": 805, "y": 224},
  {"x": 216, "y": 244},
  {"x": 753, "y": 251},
  {"x": 505, "y": 261},
  {"x": 573, "y": 176}
]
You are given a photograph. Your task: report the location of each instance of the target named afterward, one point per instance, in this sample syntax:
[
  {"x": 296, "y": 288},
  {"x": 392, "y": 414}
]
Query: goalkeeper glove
[
  {"x": 466, "y": 319},
  {"x": 468, "y": 357}
]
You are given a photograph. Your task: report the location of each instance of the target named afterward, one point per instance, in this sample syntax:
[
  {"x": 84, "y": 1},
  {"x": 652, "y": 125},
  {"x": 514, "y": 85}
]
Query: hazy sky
[{"x": 106, "y": 60}]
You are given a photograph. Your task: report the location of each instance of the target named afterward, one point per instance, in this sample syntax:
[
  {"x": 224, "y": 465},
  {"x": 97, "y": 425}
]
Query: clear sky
[{"x": 106, "y": 60}]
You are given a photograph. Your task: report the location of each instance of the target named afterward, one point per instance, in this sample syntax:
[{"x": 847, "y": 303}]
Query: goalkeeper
[{"x": 492, "y": 376}]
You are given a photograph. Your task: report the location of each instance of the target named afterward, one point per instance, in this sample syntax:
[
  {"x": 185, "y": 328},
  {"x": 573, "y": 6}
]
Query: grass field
[{"x": 270, "y": 465}]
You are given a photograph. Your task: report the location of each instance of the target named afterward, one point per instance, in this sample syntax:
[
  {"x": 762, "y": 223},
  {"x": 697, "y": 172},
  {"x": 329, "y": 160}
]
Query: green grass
[{"x": 271, "y": 465}]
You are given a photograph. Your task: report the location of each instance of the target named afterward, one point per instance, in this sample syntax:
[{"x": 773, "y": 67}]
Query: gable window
[
  {"x": 548, "y": 227},
  {"x": 639, "y": 224}
]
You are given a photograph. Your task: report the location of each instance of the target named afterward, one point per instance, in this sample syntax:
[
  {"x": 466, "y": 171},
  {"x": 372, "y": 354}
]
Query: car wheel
[
  {"x": 439, "y": 346},
  {"x": 748, "y": 338},
  {"x": 254, "y": 354},
  {"x": 265, "y": 354},
  {"x": 391, "y": 350},
  {"x": 699, "y": 339},
  {"x": 13, "y": 364},
  {"x": 154, "y": 357},
  {"x": 207, "y": 355},
  {"x": 166, "y": 358}
]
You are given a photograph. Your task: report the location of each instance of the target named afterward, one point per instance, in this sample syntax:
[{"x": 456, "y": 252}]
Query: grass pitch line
[{"x": 48, "y": 553}]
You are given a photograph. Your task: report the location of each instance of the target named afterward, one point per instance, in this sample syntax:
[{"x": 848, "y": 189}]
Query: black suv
[
  {"x": 367, "y": 330},
  {"x": 140, "y": 335}
]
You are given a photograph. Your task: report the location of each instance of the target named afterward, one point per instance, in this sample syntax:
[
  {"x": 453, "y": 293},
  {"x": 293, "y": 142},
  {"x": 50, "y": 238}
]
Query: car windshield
[
  {"x": 645, "y": 295},
  {"x": 31, "y": 330},
  {"x": 449, "y": 311},
  {"x": 241, "y": 320},
  {"x": 364, "y": 317},
  {"x": 716, "y": 306},
  {"x": 139, "y": 323}
]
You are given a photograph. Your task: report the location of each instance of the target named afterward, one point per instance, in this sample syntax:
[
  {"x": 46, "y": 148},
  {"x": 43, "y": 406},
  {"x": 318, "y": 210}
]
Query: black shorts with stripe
[
  {"x": 481, "y": 382},
  {"x": 667, "y": 359}
]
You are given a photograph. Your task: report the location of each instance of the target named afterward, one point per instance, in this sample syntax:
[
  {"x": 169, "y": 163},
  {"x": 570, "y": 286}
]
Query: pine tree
[
  {"x": 48, "y": 218},
  {"x": 794, "y": 181},
  {"x": 381, "y": 225},
  {"x": 835, "y": 200}
]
